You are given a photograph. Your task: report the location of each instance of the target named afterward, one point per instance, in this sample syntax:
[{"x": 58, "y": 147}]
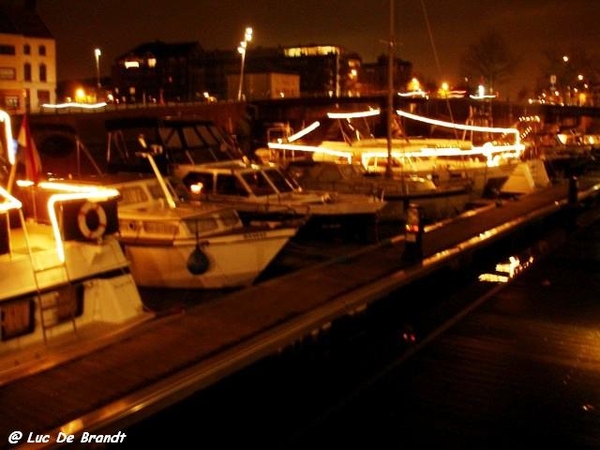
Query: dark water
[{"x": 334, "y": 389}]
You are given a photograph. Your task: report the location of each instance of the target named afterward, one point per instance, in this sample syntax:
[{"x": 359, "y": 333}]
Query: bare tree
[{"x": 489, "y": 58}]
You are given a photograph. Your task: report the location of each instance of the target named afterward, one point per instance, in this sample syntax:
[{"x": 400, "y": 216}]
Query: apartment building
[{"x": 27, "y": 59}]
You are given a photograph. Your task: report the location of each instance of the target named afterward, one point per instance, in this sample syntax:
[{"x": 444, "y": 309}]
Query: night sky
[{"x": 529, "y": 26}]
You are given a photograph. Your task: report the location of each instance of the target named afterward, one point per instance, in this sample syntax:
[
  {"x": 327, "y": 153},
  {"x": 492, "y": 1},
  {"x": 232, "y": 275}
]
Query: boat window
[
  {"x": 156, "y": 191},
  {"x": 230, "y": 185},
  {"x": 170, "y": 137},
  {"x": 209, "y": 136},
  {"x": 132, "y": 195},
  {"x": 258, "y": 184},
  {"x": 161, "y": 227},
  {"x": 18, "y": 318},
  {"x": 191, "y": 138},
  {"x": 201, "y": 225},
  {"x": 205, "y": 179},
  {"x": 279, "y": 180},
  {"x": 230, "y": 217}
]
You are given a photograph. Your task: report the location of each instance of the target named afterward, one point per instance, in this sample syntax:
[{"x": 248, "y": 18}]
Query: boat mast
[{"x": 390, "y": 99}]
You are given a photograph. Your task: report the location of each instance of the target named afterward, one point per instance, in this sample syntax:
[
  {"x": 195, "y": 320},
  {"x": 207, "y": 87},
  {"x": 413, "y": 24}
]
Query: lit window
[
  {"x": 8, "y": 73},
  {"x": 151, "y": 62},
  {"x": 12, "y": 102}
]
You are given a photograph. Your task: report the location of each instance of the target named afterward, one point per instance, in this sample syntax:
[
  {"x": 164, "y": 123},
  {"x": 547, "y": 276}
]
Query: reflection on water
[{"x": 505, "y": 271}]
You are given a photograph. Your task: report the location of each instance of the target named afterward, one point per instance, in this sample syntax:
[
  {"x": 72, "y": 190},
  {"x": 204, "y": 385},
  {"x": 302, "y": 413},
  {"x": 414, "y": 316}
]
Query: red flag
[{"x": 33, "y": 163}]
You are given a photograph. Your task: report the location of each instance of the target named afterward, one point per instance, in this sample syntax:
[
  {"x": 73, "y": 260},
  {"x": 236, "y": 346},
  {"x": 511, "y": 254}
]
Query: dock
[{"x": 160, "y": 362}]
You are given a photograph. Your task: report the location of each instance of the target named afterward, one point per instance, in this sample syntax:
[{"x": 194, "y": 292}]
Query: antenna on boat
[
  {"x": 437, "y": 60},
  {"x": 390, "y": 106},
  {"x": 160, "y": 178}
]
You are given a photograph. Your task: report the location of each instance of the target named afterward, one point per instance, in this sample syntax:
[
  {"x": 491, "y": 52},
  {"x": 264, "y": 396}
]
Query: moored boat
[
  {"x": 346, "y": 137},
  {"x": 206, "y": 166},
  {"x": 58, "y": 279},
  {"x": 264, "y": 193},
  {"x": 59, "y": 282},
  {"x": 174, "y": 244},
  {"x": 437, "y": 202}
]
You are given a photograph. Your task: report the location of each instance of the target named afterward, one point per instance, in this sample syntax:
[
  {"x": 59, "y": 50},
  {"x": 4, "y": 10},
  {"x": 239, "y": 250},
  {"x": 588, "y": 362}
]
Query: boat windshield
[
  {"x": 181, "y": 141},
  {"x": 279, "y": 180},
  {"x": 200, "y": 143},
  {"x": 141, "y": 193},
  {"x": 267, "y": 182}
]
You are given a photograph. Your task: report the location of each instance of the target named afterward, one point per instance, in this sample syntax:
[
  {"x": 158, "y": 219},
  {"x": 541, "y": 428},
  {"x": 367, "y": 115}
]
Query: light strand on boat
[
  {"x": 446, "y": 151},
  {"x": 310, "y": 148},
  {"x": 354, "y": 115},
  {"x": 9, "y": 202},
  {"x": 313, "y": 126},
  {"x": 99, "y": 191},
  {"x": 94, "y": 193},
  {"x": 12, "y": 151},
  {"x": 482, "y": 96},
  {"x": 414, "y": 94},
  {"x": 458, "y": 126}
]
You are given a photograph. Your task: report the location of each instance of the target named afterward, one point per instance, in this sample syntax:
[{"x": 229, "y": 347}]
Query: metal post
[
  {"x": 390, "y": 108},
  {"x": 97, "y": 54},
  {"x": 242, "y": 50},
  {"x": 414, "y": 229}
]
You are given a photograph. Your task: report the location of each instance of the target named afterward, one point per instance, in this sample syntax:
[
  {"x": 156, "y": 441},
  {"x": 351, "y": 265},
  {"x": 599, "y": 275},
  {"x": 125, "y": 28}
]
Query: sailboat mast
[{"x": 390, "y": 106}]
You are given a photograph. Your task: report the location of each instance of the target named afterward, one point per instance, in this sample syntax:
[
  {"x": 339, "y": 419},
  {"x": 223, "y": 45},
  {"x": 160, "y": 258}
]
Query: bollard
[
  {"x": 573, "y": 190},
  {"x": 413, "y": 229}
]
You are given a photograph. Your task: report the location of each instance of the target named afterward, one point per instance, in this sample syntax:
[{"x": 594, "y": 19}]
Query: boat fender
[
  {"x": 198, "y": 263},
  {"x": 87, "y": 209}
]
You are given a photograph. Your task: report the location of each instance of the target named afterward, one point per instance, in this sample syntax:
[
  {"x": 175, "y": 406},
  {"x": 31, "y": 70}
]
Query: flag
[{"x": 33, "y": 163}]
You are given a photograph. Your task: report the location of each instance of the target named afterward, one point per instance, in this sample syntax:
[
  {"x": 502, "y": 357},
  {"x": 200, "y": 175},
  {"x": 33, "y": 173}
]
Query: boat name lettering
[{"x": 255, "y": 235}]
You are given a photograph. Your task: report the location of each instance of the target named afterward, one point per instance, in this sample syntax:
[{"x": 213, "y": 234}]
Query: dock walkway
[{"x": 160, "y": 362}]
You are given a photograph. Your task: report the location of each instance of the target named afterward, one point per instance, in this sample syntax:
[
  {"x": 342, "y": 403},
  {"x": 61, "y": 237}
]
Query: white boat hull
[
  {"x": 95, "y": 280},
  {"x": 231, "y": 261}
]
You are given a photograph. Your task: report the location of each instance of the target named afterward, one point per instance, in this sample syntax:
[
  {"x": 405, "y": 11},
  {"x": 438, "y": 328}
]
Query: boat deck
[{"x": 163, "y": 360}]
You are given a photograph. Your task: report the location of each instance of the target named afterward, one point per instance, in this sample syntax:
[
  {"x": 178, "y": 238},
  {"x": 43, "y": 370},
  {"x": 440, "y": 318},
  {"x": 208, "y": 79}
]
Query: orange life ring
[{"x": 97, "y": 209}]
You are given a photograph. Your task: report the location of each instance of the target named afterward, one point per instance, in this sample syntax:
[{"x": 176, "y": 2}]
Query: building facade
[
  {"x": 27, "y": 59},
  {"x": 173, "y": 72},
  {"x": 157, "y": 72}
]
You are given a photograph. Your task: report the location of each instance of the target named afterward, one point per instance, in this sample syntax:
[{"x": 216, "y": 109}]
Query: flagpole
[{"x": 11, "y": 177}]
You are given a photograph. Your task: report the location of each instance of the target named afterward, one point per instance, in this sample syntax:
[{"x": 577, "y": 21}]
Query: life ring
[{"x": 97, "y": 209}]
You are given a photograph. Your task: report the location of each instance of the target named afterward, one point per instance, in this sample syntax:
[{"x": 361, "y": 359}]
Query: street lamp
[
  {"x": 242, "y": 50},
  {"x": 97, "y": 54}
]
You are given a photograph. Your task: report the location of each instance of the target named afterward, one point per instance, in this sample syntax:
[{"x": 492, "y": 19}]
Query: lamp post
[
  {"x": 242, "y": 50},
  {"x": 97, "y": 54}
]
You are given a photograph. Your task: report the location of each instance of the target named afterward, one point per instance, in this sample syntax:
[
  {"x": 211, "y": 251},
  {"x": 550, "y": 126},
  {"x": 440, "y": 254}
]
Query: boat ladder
[{"x": 56, "y": 306}]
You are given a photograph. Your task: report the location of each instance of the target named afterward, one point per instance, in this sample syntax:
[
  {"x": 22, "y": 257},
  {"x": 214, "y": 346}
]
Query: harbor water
[{"x": 361, "y": 382}]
